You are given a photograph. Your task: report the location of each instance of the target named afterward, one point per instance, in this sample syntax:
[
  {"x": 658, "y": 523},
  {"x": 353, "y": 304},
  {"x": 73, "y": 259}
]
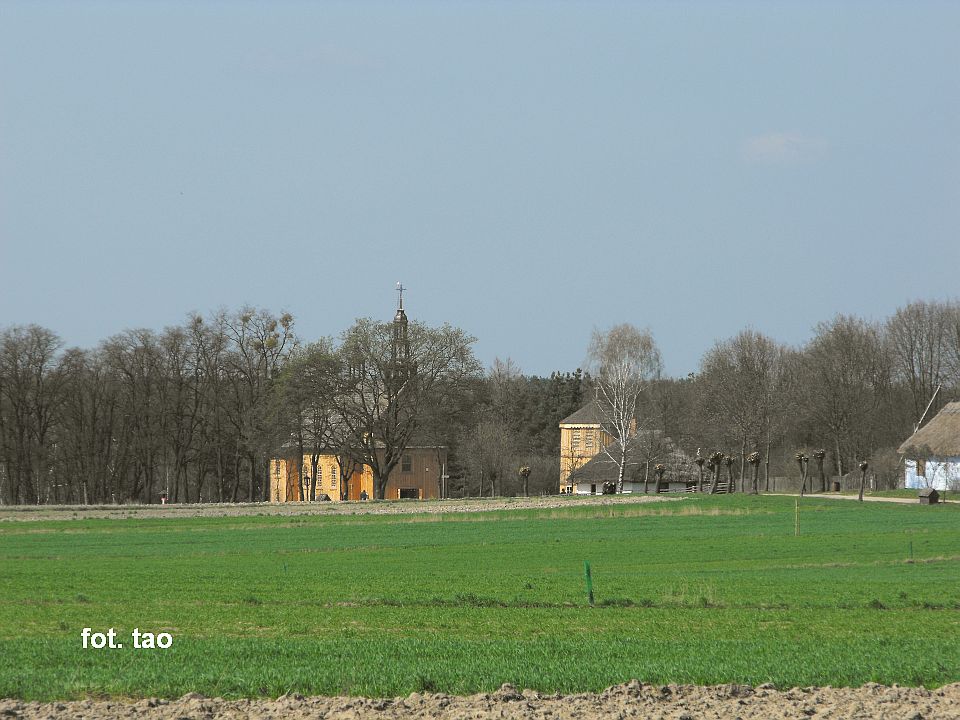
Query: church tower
[{"x": 401, "y": 367}]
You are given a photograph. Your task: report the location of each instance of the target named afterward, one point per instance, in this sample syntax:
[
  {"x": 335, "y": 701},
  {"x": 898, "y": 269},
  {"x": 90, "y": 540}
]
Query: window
[
  {"x": 319, "y": 475},
  {"x": 921, "y": 468},
  {"x": 333, "y": 477},
  {"x": 589, "y": 440},
  {"x": 406, "y": 465},
  {"x": 575, "y": 442}
]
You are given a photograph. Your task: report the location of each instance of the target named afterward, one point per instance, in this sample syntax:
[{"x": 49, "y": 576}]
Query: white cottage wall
[{"x": 941, "y": 474}]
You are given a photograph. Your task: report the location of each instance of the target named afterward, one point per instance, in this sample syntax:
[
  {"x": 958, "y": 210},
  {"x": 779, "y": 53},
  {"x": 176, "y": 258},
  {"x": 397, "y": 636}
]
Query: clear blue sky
[{"x": 529, "y": 170}]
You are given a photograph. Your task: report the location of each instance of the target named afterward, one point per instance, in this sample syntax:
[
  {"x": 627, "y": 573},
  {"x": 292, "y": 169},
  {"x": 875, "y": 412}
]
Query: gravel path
[{"x": 632, "y": 700}]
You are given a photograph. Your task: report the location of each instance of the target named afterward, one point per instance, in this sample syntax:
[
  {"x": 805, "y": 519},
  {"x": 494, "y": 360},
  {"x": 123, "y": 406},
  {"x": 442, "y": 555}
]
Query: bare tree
[
  {"x": 741, "y": 384},
  {"x": 623, "y": 360},
  {"x": 919, "y": 339},
  {"x": 31, "y": 384},
  {"x": 844, "y": 373},
  {"x": 393, "y": 373}
]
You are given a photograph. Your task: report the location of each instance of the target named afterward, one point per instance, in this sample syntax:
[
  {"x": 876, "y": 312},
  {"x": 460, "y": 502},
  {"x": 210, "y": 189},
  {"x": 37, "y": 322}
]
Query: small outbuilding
[
  {"x": 929, "y": 496},
  {"x": 932, "y": 454}
]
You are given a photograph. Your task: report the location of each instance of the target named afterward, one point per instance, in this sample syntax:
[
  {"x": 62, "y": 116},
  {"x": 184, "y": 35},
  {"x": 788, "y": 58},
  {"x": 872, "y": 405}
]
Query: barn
[{"x": 932, "y": 454}]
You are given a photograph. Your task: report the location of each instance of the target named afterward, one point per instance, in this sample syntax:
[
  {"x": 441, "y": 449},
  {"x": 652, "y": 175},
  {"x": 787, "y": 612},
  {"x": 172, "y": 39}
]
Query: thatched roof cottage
[{"x": 932, "y": 454}]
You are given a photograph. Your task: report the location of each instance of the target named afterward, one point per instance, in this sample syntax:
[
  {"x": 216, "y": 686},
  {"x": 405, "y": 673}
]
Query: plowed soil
[{"x": 632, "y": 700}]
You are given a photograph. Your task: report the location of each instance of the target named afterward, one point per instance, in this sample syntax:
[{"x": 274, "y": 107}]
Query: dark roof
[
  {"x": 652, "y": 446},
  {"x": 589, "y": 414},
  {"x": 938, "y": 438},
  {"x": 929, "y": 492}
]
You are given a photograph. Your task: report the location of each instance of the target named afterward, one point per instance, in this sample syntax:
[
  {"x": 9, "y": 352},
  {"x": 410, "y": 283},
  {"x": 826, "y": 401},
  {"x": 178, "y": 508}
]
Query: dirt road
[
  {"x": 382, "y": 507},
  {"x": 866, "y": 498}
]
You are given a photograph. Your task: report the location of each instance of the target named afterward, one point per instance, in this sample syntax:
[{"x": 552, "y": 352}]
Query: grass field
[{"x": 703, "y": 590}]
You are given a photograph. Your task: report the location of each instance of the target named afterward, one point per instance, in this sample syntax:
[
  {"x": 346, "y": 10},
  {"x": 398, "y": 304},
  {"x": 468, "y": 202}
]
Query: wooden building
[
  {"x": 416, "y": 477},
  {"x": 932, "y": 454},
  {"x": 581, "y": 438},
  {"x": 929, "y": 496},
  {"x": 585, "y": 467}
]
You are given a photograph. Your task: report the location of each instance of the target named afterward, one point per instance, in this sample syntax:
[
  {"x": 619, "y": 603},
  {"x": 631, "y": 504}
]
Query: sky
[{"x": 530, "y": 171}]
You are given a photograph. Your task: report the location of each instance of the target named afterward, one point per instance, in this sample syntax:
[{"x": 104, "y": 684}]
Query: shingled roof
[
  {"x": 938, "y": 438},
  {"x": 589, "y": 414}
]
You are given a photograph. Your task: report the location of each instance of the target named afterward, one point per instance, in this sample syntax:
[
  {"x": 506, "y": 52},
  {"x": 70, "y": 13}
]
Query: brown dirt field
[
  {"x": 381, "y": 507},
  {"x": 632, "y": 700}
]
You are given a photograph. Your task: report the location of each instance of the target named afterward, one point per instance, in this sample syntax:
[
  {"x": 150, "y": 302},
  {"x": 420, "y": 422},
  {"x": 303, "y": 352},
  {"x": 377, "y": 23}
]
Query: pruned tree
[
  {"x": 802, "y": 461},
  {"x": 659, "y": 469},
  {"x": 524, "y": 473},
  {"x": 716, "y": 462},
  {"x": 819, "y": 456},
  {"x": 700, "y": 460},
  {"x": 754, "y": 460}
]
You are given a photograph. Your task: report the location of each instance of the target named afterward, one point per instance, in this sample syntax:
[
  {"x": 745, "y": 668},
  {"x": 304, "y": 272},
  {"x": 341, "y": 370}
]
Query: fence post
[{"x": 589, "y": 579}]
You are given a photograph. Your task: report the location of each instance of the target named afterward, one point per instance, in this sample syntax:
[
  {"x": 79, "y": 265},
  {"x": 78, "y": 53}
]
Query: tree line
[
  {"x": 850, "y": 395},
  {"x": 196, "y": 411}
]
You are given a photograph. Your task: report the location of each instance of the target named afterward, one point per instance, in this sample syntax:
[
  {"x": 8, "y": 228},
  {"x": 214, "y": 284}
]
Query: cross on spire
[{"x": 400, "y": 289}]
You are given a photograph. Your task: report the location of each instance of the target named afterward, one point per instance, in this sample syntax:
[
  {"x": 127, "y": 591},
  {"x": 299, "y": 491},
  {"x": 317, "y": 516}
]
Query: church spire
[
  {"x": 401, "y": 316},
  {"x": 401, "y": 341}
]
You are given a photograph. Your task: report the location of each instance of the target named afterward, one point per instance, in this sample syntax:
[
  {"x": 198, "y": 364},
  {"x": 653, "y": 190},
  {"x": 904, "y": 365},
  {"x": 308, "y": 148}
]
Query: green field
[{"x": 701, "y": 590}]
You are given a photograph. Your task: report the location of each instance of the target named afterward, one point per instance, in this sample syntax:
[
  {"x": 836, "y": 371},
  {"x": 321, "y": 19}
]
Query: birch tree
[{"x": 623, "y": 360}]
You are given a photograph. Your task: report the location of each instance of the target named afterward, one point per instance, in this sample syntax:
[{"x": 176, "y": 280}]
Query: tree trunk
[
  {"x": 766, "y": 468},
  {"x": 250, "y": 497},
  {"x": 623, "y": 461},
  {"x": 743, "y": 463}
]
